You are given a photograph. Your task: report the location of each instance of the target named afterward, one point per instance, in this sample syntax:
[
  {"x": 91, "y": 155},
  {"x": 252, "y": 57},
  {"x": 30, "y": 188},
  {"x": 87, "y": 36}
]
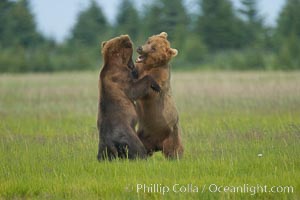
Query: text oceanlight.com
[{"x": 212, "y": 188}]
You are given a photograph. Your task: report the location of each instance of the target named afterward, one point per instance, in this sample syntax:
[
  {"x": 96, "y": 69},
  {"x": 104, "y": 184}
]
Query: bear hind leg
[
  {"x": 132, "y": 146},
  {"x": 172, "y": 145},
  {"x": 107, "y": 152}
]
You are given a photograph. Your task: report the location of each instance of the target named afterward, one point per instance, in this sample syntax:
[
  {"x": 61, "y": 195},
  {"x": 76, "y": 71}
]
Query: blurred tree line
[{"x": 216, "y": 35}]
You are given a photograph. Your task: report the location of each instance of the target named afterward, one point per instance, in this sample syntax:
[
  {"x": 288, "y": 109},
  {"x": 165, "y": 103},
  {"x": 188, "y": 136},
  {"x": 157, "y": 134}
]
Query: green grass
[{"x": 48, "y": 138}]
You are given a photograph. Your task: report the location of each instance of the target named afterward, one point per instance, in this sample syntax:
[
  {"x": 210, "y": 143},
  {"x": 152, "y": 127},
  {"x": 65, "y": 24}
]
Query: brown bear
[
  {"x": 158, "y": 118},
  {"x": 118, "y": 89}
]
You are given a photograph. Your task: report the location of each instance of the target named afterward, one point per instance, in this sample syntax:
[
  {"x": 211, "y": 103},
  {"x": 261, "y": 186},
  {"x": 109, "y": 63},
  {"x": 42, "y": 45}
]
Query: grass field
[{"x": 241, "y": 131}]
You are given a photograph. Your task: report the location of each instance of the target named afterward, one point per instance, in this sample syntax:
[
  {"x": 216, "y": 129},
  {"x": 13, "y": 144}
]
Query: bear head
[
  {"x": 156, "y": 51},
  {"x": 118, "y": 50}
]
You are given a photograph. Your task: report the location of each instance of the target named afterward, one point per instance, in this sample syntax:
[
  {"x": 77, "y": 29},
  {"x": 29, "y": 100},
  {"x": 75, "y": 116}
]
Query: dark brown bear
[
  {"x": 158, "y": 118},
  {"x": 118, "y": 89}
]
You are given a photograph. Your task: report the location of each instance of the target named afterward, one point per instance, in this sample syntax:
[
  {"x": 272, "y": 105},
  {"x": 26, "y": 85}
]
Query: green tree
[
  {"x": 250, "y": 11},
  {"x": 170, "y": 17},
  {"x": 255, "y": 32},
  {"x": 218, "y": 25},
  {"x": 288, "y": 36},
  {"x": 289, "y": 18},
  {"x": 127, "y": 21},
  {"x": 194, "y": 50},
  {"x": 17, "y": 24},
  {"x": 5, "y": 7},
  {"x": 91, "y": 27},
  {"x": 151, "y": 19},
  {"x": 288, "y": 56}
]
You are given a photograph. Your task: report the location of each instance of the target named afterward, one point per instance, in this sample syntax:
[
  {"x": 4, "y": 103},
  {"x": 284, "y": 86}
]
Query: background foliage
[{"x": 216, "y": 36}]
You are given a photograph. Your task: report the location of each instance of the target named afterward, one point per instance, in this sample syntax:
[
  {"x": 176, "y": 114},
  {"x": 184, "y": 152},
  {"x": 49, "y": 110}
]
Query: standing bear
[
  {"x": 158, "y": 118},
  {"x": 118, "y": 90}
]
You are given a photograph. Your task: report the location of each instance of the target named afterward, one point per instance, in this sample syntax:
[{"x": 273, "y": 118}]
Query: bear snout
[{"x": 139, "y": 49}]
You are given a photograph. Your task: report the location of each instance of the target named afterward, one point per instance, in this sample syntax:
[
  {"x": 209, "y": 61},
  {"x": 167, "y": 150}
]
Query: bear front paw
[
  {"x": 155, "y": 87},
  {"x": 135, "y": 73}
]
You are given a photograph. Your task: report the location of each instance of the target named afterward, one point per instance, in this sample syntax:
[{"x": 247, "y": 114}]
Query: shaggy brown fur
[
  {"x": 158, "y": 118},
  {"x": 117, "y": 116}
]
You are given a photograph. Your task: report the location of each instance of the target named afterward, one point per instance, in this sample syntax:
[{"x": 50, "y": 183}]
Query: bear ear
[
  {"x": 163, "y": 34},
  {"x": 174, "y": 52},
  {"x": 103, "y": 43}
]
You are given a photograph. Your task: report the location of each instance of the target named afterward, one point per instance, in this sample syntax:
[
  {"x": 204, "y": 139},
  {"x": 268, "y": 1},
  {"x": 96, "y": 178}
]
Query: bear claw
[{"x": 155, "y": 87}]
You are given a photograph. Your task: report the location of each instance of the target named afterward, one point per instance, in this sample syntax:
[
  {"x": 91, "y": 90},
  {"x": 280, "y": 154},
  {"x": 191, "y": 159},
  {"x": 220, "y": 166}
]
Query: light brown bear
[
  {"x": 158, "y": 118},
  {"x": 118, "y": 90}
]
